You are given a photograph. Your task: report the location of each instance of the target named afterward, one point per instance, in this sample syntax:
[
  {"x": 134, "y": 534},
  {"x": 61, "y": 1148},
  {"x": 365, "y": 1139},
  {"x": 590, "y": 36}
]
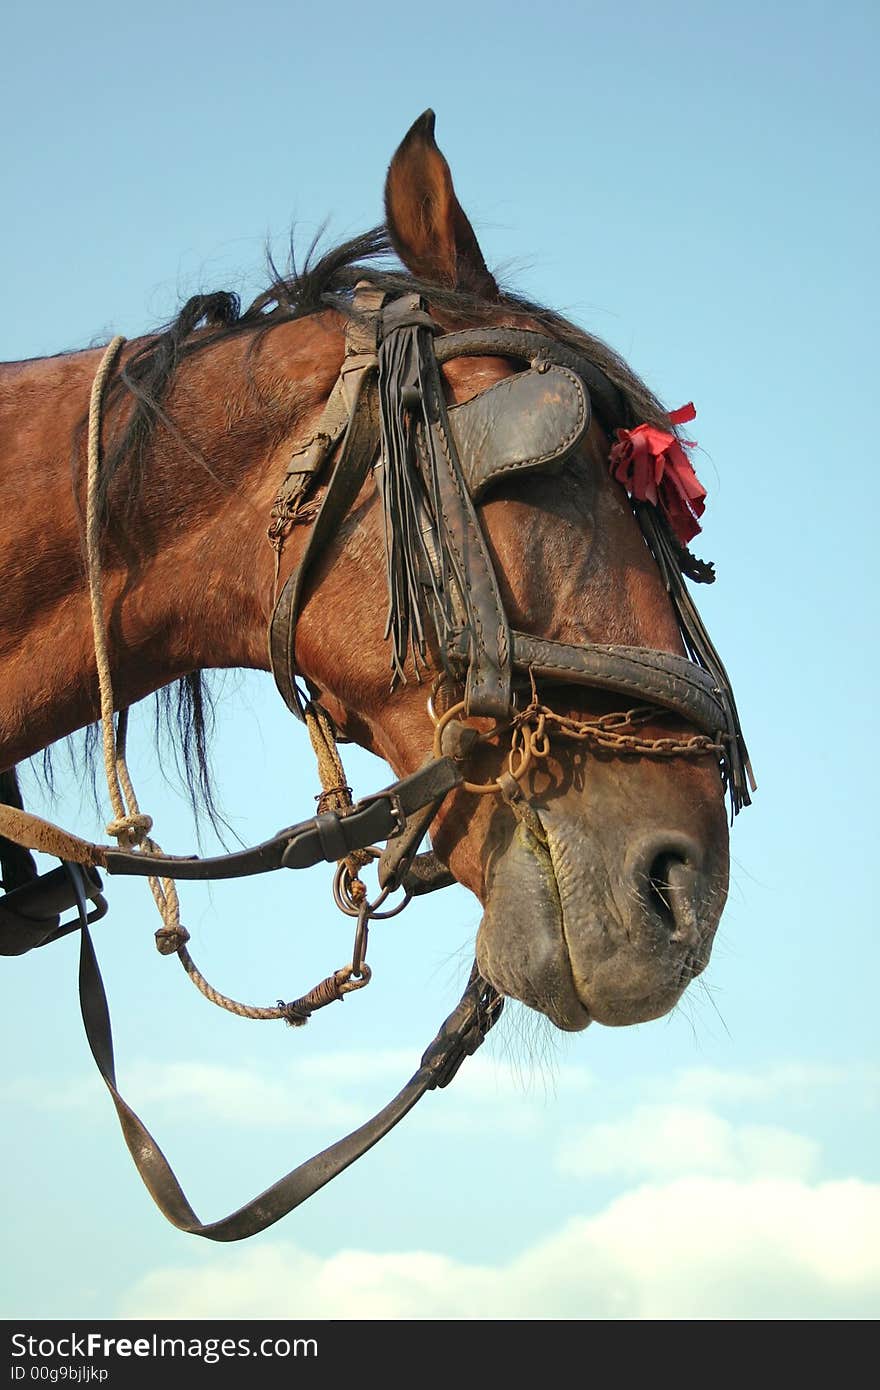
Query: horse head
[
  {"x": 453, "y": 569},
  {"x": 602, "y": 867}
]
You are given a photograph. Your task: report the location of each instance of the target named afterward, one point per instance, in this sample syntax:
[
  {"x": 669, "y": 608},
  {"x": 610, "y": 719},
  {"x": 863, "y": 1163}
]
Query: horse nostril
[{"x": 665, "y": 872}]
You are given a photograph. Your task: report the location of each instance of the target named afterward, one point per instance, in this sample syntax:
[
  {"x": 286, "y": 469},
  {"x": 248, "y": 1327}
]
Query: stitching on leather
[
  {"x": 630, "y": 655},
  {"x": 570, "y": 439},
  {"x": 657, "y": 687},
  {"x": 472, "y": 527},
  {"x": 528, "y": 347}
]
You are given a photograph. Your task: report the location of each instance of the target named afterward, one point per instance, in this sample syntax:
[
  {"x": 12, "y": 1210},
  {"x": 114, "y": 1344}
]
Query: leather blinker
[{"x": 530, "y": 421}]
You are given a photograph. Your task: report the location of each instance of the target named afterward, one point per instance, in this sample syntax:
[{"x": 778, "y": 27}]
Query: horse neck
[{"x": 189, "y": 575}]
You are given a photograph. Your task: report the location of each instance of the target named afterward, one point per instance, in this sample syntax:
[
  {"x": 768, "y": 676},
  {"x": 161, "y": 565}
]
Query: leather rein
[{"x": 387, "y": 413}]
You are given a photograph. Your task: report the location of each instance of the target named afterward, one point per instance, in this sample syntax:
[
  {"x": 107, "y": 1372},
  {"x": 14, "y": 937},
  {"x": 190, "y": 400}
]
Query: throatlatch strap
[
  {"x": 356, "y": 388},
  {"x": 460, "y": 1035},
  {"x": 358, "y": 451}
]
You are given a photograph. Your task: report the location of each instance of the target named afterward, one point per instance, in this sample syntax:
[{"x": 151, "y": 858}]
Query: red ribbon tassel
[{"x": 653, "y": 467}]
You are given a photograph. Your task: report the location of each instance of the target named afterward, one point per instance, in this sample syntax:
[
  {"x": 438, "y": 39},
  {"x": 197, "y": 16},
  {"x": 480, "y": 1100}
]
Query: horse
[{"x": 450, "y": 573}]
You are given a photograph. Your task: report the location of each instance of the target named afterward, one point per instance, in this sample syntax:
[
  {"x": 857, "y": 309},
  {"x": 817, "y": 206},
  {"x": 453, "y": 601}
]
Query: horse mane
[{"x": 326, "y": 281}]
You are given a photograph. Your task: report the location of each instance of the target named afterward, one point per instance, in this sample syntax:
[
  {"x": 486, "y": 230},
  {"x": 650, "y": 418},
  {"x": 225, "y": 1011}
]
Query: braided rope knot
[
  {"x": 170, "y": 939},
  {"x": 130, "y": 830}
]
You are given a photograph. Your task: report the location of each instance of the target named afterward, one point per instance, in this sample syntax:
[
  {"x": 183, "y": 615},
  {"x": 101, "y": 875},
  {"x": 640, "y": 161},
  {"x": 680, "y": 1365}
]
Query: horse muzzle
[{"x": 608, "y": 919}]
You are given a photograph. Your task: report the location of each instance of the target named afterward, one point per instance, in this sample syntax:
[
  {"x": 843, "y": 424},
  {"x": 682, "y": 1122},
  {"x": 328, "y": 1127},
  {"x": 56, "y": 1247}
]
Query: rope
[
  {"x": 130, "y": 826},
  {"x": 330, "y": 769},
  {"x": 296, "y": 1013},
  {"x": 336, "y": 793},
  {"x": 96, "y": 592}
]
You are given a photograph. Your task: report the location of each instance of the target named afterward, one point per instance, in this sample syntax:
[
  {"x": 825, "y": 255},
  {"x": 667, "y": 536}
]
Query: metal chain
[
  {"x": 530, "y": 734},
  {"x": 604, "y": 732}
]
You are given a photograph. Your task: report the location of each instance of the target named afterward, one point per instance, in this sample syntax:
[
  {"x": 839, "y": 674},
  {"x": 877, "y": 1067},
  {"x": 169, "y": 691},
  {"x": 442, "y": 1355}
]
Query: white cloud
[
  {"x": 80, "y": 1094},
  {"x": 335, "y": 1084},
  {"x": 787, "y": 1080},
  {"x": 693, "y": 1248},
  {"x": 480, "y": 1078},
  {"x": 334, "y": 1089},
  {"x": 238, "y": 1095},
  {"x": 338, "y": 1089},
  {"x": 660, "y": 1141},
  {"x": 200, "y": 1091}
]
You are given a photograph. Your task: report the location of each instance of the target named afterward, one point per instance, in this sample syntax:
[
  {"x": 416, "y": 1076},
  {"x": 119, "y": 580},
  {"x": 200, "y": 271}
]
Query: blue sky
[{"x": 695, "y": 184}]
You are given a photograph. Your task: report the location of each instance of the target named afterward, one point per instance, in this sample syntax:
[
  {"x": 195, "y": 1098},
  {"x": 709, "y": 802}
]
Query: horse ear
[{"x": 428, "y": 227}]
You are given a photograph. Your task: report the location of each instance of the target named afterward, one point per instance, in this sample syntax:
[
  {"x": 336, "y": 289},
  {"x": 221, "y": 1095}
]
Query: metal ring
[
  {"x": 345, "y": 981},
  {"x": 436, "y": 687},
  {"x": 477, "y": 788},
  {"x": 435, "y": 691},
  {"x": 525, "y": 755},
  {"x": 347, "y": 904},
  {"x": 392, "y": 911},
  {"x": 342, "y": 886},
  {"x": 539, "y": 739}
]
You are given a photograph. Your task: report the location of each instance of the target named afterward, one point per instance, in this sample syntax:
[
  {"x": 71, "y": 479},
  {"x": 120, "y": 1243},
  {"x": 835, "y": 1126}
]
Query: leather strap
[
  {"x": 327, "y": 837},
  {"x": 459, "y": 1036},
  {"x": 489, "y": 670},
  {"x": 356, "y": 455},
  {"x": 353, "y": 405},
  {"x": 650, "y": 677},
  {"x": 426, "y": 874},
  {"x": 534, "y": 348},
  {"x": 397, "y": 857},
  {"x": 308, "y": 461},
  {"x": 30, "y": 915},
  {"x": 487, "y": 690}
]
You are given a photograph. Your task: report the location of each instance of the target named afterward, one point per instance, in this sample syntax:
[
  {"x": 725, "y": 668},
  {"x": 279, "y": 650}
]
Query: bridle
[
  {"x": 430, "y": 474},
  {"x": 432, "y": 464}
]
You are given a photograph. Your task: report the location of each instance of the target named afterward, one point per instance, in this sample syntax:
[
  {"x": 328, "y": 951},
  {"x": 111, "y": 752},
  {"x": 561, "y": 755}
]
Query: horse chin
[
  {"x": 553, "y": 935},
  {"x": 521, "y": 947}
]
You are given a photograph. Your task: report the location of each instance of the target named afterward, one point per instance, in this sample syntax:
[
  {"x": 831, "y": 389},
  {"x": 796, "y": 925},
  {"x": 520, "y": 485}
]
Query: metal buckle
[
  {"x": 465, "y": 1040},
  {"x": 396, "y": 809}
]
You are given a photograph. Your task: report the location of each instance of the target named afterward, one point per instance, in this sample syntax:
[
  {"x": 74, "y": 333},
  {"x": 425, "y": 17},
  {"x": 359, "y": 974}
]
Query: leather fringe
[
  {"x": 702, "y": 651},
  {"x": 420, "y": 567}
]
